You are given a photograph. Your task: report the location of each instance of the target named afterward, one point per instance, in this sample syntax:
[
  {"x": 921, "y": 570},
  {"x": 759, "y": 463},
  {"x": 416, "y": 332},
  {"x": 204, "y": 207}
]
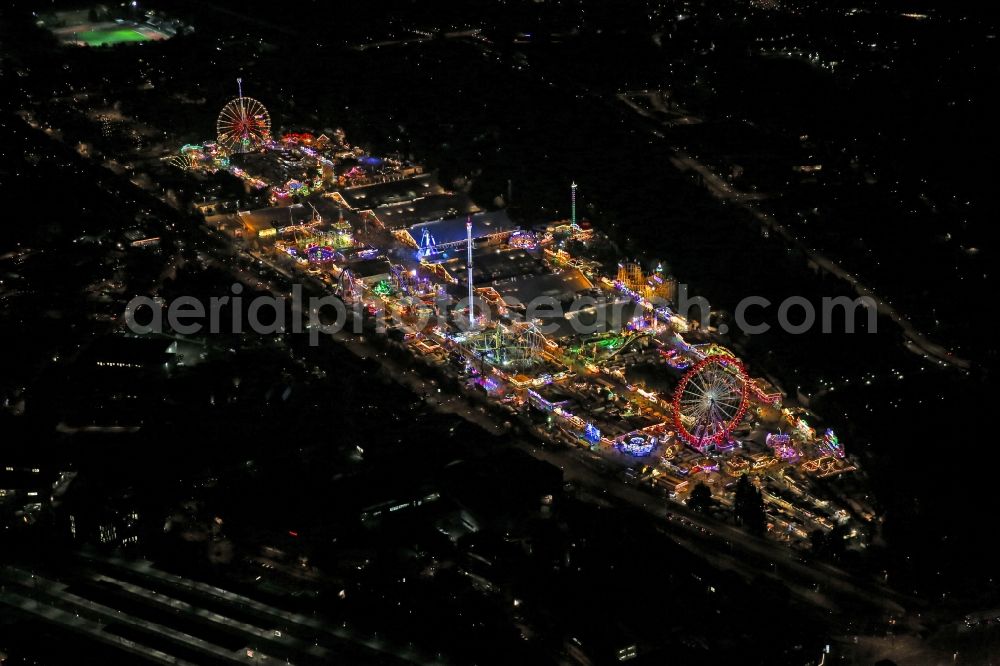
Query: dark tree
[
  {"x": 817, "y": 538},
  {"x": 831, "y": 544},
  {"x": 836, "y": 541},
  {"x": 741, "y": 499},
  {"x": 701, "y": 498},
  {"x": 748, "y": 506}
]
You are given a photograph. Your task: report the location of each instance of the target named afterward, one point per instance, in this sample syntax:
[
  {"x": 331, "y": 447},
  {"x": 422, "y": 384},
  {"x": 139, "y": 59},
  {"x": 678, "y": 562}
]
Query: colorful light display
[
  {"x": 832, "y": 444},
  {"x": 781, "y": 443},
  {"x": 711, "y": 398},
  {"x": 522, "y": 239},
  {"x": 320, "y": 253},
  {"x": 243, "y": 125},
  {"x": 710, "y": 401},
  {"x": 638, "y": 447}
]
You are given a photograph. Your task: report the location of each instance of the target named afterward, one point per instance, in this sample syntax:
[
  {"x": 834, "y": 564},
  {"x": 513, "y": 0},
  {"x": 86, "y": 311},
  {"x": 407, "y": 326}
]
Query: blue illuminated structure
[
  {"x": 427, "y": 244},
  {"x": 320, "y": 253},
  {"x": 637, "y": 446}
]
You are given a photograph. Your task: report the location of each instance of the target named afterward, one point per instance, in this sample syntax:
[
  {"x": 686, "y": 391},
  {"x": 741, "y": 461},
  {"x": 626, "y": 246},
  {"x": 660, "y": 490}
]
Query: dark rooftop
[
  {"x": 432, "y": 207},
  {"x": 392, "y": 192},
  {"x": 560, "y": 285},
  {"x": 447, "y": 232},
  {"x": 489, "y": 264}
]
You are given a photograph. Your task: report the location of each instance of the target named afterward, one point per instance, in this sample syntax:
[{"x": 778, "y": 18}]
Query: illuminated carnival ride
[
  {"x": 710, "y": 401},
  {"x": 244, "y": 125}
]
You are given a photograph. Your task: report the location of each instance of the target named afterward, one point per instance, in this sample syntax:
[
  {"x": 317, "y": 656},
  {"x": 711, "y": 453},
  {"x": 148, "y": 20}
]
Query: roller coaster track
[{"x": 628, "y": 343}]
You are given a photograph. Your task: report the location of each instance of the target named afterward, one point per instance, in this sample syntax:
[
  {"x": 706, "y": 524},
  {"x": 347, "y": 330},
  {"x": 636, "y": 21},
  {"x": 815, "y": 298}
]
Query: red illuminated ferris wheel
[
  {"x": 711, "y": 400},
  {"x": 243, "y": 125}
]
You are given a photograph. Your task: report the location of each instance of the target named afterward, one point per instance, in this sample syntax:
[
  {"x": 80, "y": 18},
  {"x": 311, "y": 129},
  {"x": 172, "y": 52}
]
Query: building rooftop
[
  {"x": 431, "y": 207},
  {"x": 606, "y": 316},
  {"x": 370, "y": 267},
  {"x": 488, "y": 264},
  {"x": 281, "y": 216},
  {"x": 447, "y": 232},
  {"x": 392, "y": 192},
  {"x": 561, "y": 285}
]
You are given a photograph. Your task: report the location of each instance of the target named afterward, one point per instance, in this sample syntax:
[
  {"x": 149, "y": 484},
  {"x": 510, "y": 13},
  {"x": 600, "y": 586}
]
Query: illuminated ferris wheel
[
  {"x": 711, "y": 400},
  {"x": 244, "y": 124}
]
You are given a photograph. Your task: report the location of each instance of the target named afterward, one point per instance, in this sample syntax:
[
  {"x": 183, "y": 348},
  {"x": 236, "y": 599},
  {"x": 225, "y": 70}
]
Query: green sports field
[
  {"x": 115, "y": 35},
  {"x": 86, "y": 33}
]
